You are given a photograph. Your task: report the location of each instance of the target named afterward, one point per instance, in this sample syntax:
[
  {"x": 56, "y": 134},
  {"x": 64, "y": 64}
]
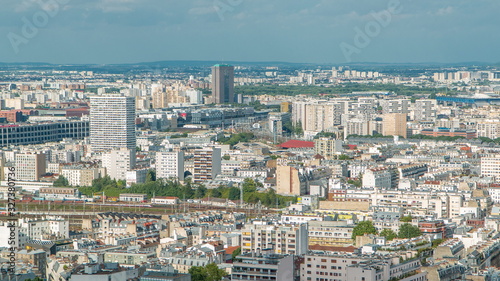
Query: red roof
[
  {"x": 230, "y": 250},
  {"x": 297, "y": 144}
]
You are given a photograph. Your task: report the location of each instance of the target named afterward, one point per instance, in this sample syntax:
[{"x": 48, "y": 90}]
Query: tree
[
  {"x": 344, "y": 157},
  {"x": 226, "y": 157},
  {"x": 389, "y": 234},
  {"x": 362, "y": 228},
  {"x": 407, "y": 230},
  {"x": 236, "y": 253},
  {"x": 215, "y": 193},
  {"x": 214, "y": 273},
  {"x": 210, "y": 272},
  {"x": 234, "y": 193},
  {"x": 249, "y": 185},
  {"x": 61, "y": 182},
  {"x": 406, "y": 218},
  {"x": 151, "y": 175},
  {"x": 200, "y": 192}
]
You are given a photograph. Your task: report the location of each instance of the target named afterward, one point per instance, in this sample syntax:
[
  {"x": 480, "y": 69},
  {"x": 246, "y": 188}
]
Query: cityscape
[{"x": 191, "y": 167}]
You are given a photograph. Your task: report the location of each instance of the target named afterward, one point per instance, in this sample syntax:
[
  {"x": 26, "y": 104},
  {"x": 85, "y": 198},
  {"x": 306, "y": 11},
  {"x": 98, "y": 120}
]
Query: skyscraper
[
  {"x": 112, "y": 123},
  {"x": 223, "y": 83}
]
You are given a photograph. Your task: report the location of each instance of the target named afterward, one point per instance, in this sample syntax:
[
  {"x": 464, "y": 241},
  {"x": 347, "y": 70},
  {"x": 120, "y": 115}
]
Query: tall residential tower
[{"x": 112, "y": 123}]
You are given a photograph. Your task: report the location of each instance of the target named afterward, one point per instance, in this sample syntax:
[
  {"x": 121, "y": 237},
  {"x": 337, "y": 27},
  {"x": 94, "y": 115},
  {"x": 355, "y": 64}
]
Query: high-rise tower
[
  {"x": 112, "y": 123},
  {"x": 223, "y": 83}
]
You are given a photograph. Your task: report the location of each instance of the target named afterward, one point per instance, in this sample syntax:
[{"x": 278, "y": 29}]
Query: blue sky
[{"x": 127, "y": 31}]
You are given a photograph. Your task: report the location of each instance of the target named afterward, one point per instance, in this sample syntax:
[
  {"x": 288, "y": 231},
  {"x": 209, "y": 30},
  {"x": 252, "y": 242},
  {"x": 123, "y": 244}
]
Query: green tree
[
  {"x": 61, "y": 181},
  {"x": 389, "y": 234},
  {"x": 236, "y": 253},
  {"x": 215, "y": 193},
  {"x": 249, "y": 185},
  {"x": 226, "y": 157},
  {"x": 407, "y": 230},
  {"x": 406, "y": 218},
  {"x": 200, "y": 192},
  {"x": 344, "y": 157},
  {"x": 214, "y": 273},
  {"x": 234, "y": 193},
  {"x": 210, "y": 272},
  {"x": 151, "y": 175},
  {"x": 362, "y": 228}
]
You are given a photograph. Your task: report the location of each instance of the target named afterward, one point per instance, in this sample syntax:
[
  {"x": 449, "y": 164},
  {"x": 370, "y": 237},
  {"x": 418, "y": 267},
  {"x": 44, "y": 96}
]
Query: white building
[
  {"x": 490, "y": 166},
  {"x": 112, "y": 122},
  {"x": 119, "y": 162},
  {"x": 170, "y": 164},
  {"x": 378, "y": 177}
]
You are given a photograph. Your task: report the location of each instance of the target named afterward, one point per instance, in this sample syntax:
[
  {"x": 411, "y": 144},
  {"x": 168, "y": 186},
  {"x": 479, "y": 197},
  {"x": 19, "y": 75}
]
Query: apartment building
[
  {"x": 347, "y": 267},
  {"x": 170, "y": 164},
  {"x": 330, "y": 233},
  {"x": 263, "y": 267},
  {"x": 112, "y": 123},
  {"x": 118, "y": 162},
  {"x": 207, "y": 164},
  {"x": 289, "y": 181},
  {"x": 278, "y": 239},
  {"x": 328, "y": 148},
  {"x": 30, "y": 166},
  {"x": 395, "y": 124},
  {"x": 80, "y": 174}
]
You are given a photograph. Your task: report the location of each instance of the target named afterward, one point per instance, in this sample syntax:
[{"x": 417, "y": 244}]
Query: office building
[
  {"x": 30, "y": 166},
  {"x": 223, "y": 84},
  {"x": 112, "y": 123}
]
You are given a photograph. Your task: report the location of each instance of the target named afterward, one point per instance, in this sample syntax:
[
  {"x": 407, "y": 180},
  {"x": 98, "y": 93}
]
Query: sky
[{"x": 306, "y": 31}]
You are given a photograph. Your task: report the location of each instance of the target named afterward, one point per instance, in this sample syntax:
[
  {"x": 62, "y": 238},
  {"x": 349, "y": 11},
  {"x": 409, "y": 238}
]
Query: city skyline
[{"x": 312, "y": 32}]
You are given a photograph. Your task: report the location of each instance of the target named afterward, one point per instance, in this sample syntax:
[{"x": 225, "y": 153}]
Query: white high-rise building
[
  {"x": 118, "y": 163},
  {"x": 112, "y": 123},
  {"x": 170, "y": 164}
]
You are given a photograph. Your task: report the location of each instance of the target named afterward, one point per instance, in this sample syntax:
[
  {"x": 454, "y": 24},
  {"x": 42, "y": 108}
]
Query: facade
[
  {"x": 207, "y": 164},
  {"x": 30, "y": 166},
  {"x": 170, "y": 164},
  {"x": 490, "y": 166},
  {"x": 59, "y": 193},
  {"x": 277, "y": 239},
  {"x": 112, "y": 123},
  {"x": 119, "y": 162},
  {"x": 346, "y": 267},
  {"x": 488, "y": 128},
  {"x": 263, "y": 267},
  {"x": 80, "y": 174},
  {"x": 395, "y": 125},
  {"x": 223, "y": 84},
  {"x": 327, "y": 148},
  {"x": 330, "y": 233},
  {"x": 447, "y": 132},
  {"x": 290, "y": 182},
  {"x": 44, "y": 132},
  {"x": 378, "y": 177},
  {"x": 133, "y": 197}
]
